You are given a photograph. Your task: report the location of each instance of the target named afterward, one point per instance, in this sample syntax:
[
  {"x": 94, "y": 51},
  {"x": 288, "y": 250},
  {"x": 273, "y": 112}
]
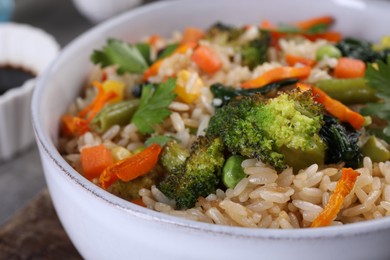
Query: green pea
[
  {"x": 232, "y": 172},
  {"x": 374, "y": 149},
  {"x": 327, "y": 50}
]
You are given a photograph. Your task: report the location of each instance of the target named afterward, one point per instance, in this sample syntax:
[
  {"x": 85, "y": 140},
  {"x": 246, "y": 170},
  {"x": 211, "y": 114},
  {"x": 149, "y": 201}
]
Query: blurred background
[{"x": 21, "y": 177}]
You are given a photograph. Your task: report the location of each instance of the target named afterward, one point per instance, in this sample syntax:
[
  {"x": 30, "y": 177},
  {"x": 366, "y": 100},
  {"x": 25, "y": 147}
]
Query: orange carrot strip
[
  {"x": 349, "y": 68},
  {"x": 277, "y": 74},
  {"x": 132, "y": 167},
  {"x": 100, "y": 101},
  {"x": 153, "y": 69},
  {"x": 309, "y": 23},
  {"x": 291, "y": 60},
  {"x": 94, "y": 160},
  {"x": 343, "y": 188},
  {"x": 74, "y": 126},
  {"x": 97, "y": 104},
  {"x": 139, "y": 202},
  {"x": 331, "y": 36},
  {"x": 206, "y": 59},
  {"x": 334, "y": 107},
  {"x": 192, "y": 35}
]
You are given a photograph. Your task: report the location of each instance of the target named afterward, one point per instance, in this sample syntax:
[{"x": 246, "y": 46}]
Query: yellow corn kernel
[
  {"x": 383, "y": 44},
  {"x": 116, "y": 86},
  {"x": 188, "y": 86},
  {"x": 120, "y": 153}
]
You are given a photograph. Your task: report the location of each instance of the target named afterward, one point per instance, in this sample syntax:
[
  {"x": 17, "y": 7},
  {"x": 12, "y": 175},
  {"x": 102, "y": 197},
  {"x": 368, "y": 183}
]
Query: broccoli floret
[
  {"x": 276, "y": 131},
  {"x": 173, "y": 156},
  {"x": 197, "y": 176},
  {"x": 254, "y": 52},
  {"x": 342, "y": 142}
]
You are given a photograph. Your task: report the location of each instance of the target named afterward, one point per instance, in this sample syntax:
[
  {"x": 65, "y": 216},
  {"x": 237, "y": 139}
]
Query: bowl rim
[{"x": 50, "y": 151}]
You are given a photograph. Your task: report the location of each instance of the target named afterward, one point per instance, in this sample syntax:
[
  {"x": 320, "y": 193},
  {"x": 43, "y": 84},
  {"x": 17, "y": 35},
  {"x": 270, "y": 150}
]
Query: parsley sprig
[
  {"x": 378, "y": 78},
  {"x": 128, "y": 58},
  {"x": 153, "y": 108}
]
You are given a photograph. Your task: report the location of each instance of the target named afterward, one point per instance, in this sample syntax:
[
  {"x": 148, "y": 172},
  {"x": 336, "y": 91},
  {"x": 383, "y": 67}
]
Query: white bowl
[
  {"x": 103, "y": 226},
  {"x": 32, "y": 49},
  {"x": 100, "y": 10}
]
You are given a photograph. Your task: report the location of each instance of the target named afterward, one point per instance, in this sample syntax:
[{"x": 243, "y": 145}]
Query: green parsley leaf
[
  {"x": 168, "y": 51},
  {"x": 153, "y": 108},
  {"x": 158, "y": 139},
  {"x": 144, "y": 49},
  {"x": 379, "y": 80},
  {"x": 127, "y": 57}
]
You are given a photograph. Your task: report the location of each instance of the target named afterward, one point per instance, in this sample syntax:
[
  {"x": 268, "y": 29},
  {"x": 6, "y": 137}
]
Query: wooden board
[{"x": 36, "y": 233}]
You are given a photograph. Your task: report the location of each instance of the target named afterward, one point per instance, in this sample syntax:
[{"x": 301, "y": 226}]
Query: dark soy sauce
[{"x": 11, "y": 77}]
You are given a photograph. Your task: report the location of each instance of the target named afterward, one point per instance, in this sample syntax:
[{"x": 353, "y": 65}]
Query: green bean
[
  {"x": 232, "y": 172},
  {"x": 374, "y": 149},
  {"x": 115, "y": 114},
  {"x": 348, "y": 91},
  {"x": 327, "y": 50}
]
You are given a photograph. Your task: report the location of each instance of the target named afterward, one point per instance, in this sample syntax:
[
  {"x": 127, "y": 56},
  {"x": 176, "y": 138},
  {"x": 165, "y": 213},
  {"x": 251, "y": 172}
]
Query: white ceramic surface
[
  {"x": 100, "y": 10},
  {"x": 32, "y": 49},
  {"x": 103, "y": 226}
]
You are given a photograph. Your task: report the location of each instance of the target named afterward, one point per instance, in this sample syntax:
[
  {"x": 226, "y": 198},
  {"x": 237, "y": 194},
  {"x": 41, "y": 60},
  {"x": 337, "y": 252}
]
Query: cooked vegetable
[
  {"x": 376, "y": 150},
  {"x": 225, "y": 94},
  {"x": 153, "y": 107},
  {"x": 232, "y": 172},
  {"x": 254, "y": 52},
  {"x": 192, "y": 35},
  {"x": 312, "y": 29},
  {"x": 188, "y": 86},
  {"x": 342, "y": 143},
  {"x": 153, "y": 69},
  {"x": 334, "y": 107},
  {"x": 129, "y": 190},
  {"x": 94, "y": 160},
  {"x": 349, "y": 68},
  {"x": 128, "y": 58},
  {"x": 361, "y": 50},
  {"x": 269, "y": 129},
  {"x": 327, "y": 51},
  {"x": 384, "y": 44},
  {"x": 224, "y": 34},
  {"x": 101, "y": 99},
  {"x": 277, "y": 74},
  {"x": 291, "y": 60},
  {"x": 348, "y": 91},
  {"x": 173, "y": 157},
  {"x": 144, "y": 49},
  {"x": 167, "y": 51},
  {"x": 343, "y": 188},
  {"x": 206, "y": 59},
  {"x": 197, "y": 177},
  {"x": 117, "y": 87},
  {"x": 74, "y": 125},
  {"x": 115, "y": 114},
  {"x": 132, "y": 167},
  {"x": 316, "y": 24}
]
